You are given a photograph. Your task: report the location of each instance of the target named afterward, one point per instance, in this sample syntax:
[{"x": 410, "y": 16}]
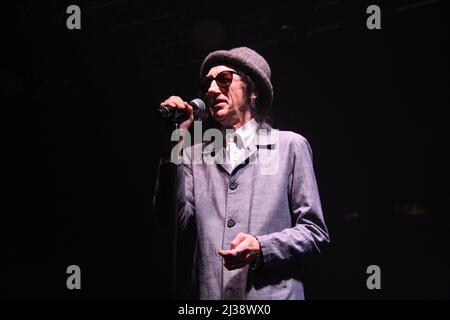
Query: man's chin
[{"x": 219, "y": 116}]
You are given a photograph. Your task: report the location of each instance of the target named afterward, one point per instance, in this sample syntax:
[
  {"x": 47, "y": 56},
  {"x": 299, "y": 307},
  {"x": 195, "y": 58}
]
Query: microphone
[{"x": 166, "y": 112}]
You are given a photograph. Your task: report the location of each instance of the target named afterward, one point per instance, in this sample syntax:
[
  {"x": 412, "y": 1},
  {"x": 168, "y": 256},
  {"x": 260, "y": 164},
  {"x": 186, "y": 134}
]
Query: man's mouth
[{"x": 219, "y": 104}]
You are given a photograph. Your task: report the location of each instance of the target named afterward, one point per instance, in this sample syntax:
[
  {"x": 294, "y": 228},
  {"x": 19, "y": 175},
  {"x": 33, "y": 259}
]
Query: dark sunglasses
[{"x": 223, "y": 80}]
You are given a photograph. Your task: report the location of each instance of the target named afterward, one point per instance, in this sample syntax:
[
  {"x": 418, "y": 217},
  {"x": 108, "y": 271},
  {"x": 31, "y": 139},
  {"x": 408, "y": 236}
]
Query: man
[{"x": 253, "y": 227}]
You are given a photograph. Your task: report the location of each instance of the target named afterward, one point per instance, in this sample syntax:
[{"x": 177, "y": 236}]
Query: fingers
[
  {"x": 243, "y": 249},
  {"x": 188, "y": 108},
  {"x": 239, "y": 238},
  {"x": 233, "y": 259},
  {"x": 234, "y": 256},
  {"x": 172, "y": 101},
  {"x": 230, "y": 253},
  {"x": 244, "y": 245},
  {"x": 177, "y": 103}
]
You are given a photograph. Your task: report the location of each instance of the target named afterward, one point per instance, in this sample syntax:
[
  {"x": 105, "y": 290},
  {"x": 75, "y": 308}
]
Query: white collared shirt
[{"x": 237, "y": 142}]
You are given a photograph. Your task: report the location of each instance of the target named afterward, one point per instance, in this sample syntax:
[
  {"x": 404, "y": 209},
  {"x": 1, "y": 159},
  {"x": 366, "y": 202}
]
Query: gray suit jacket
[{"x": 272, "y": 194}]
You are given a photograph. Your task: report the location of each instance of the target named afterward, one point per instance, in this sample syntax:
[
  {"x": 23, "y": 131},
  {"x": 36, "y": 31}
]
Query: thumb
[{"x": 189, "y": 108}]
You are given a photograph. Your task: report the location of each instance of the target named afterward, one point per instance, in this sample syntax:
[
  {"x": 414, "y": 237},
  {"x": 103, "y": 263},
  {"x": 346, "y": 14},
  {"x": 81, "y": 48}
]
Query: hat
[{"x": 248, "y": 61}]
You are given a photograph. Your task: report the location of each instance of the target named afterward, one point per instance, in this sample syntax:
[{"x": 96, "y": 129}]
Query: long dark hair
[{"x": 258, "y": 109}]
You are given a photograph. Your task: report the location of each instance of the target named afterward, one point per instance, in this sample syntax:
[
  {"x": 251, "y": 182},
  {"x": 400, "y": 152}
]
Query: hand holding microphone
[
  {"x": 178, "y": 110},
  {"x": 181, "y": 111}
]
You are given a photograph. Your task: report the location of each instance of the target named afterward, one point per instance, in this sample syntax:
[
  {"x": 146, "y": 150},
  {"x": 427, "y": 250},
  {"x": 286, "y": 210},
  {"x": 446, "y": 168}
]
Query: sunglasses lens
[{"x": 223, "y": 79}]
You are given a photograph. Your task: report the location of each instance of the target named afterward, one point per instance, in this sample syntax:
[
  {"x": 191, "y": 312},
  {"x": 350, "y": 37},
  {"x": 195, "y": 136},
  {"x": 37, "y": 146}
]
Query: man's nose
[{"x": 213, "y": 87}]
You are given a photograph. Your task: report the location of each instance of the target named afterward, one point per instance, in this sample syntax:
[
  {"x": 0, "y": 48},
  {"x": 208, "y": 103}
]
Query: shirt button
[
  {"x": 231, "y": 223},
  {"x": 233, "y": 185}
]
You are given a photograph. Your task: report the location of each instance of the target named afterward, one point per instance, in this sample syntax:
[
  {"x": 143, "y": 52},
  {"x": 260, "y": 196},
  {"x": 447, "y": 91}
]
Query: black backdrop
[{"x": 80, "y": 146}]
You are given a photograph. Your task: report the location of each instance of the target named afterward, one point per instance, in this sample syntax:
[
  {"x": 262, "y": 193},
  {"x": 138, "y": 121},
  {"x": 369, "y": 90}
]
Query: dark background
[{"x": 80, "y": 146}]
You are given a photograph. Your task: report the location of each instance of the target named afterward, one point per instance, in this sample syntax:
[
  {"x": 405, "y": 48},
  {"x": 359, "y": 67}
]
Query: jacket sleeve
[
  {"x": 184, "y": 193},
  {"x": 309, "y": 231}
]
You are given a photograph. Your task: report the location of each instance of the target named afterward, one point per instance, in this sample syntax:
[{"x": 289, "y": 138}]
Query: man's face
[{"x": 227, "y": 104}]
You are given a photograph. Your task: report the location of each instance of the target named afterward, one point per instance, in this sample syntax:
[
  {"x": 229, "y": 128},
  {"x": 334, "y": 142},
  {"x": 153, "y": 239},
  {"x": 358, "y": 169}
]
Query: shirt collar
[
  {"x": 245, "y": 133},
  {"x": 264, "y": 137}
]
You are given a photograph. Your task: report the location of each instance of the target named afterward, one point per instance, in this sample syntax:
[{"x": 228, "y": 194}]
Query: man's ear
[{"x": 255, "y": 94}]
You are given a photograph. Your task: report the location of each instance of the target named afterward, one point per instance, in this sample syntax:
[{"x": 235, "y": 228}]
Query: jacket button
[
  {"x": 233, "y": 185},
  {"x": 231, "y": 223}
]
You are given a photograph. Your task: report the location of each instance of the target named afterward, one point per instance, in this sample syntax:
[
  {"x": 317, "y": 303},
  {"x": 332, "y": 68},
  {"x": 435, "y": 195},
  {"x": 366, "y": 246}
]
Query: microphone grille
[{"x": 198, "y": 105}]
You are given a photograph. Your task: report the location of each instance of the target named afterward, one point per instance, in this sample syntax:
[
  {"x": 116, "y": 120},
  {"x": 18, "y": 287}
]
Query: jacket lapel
[{"x": 264, "y": 139}]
